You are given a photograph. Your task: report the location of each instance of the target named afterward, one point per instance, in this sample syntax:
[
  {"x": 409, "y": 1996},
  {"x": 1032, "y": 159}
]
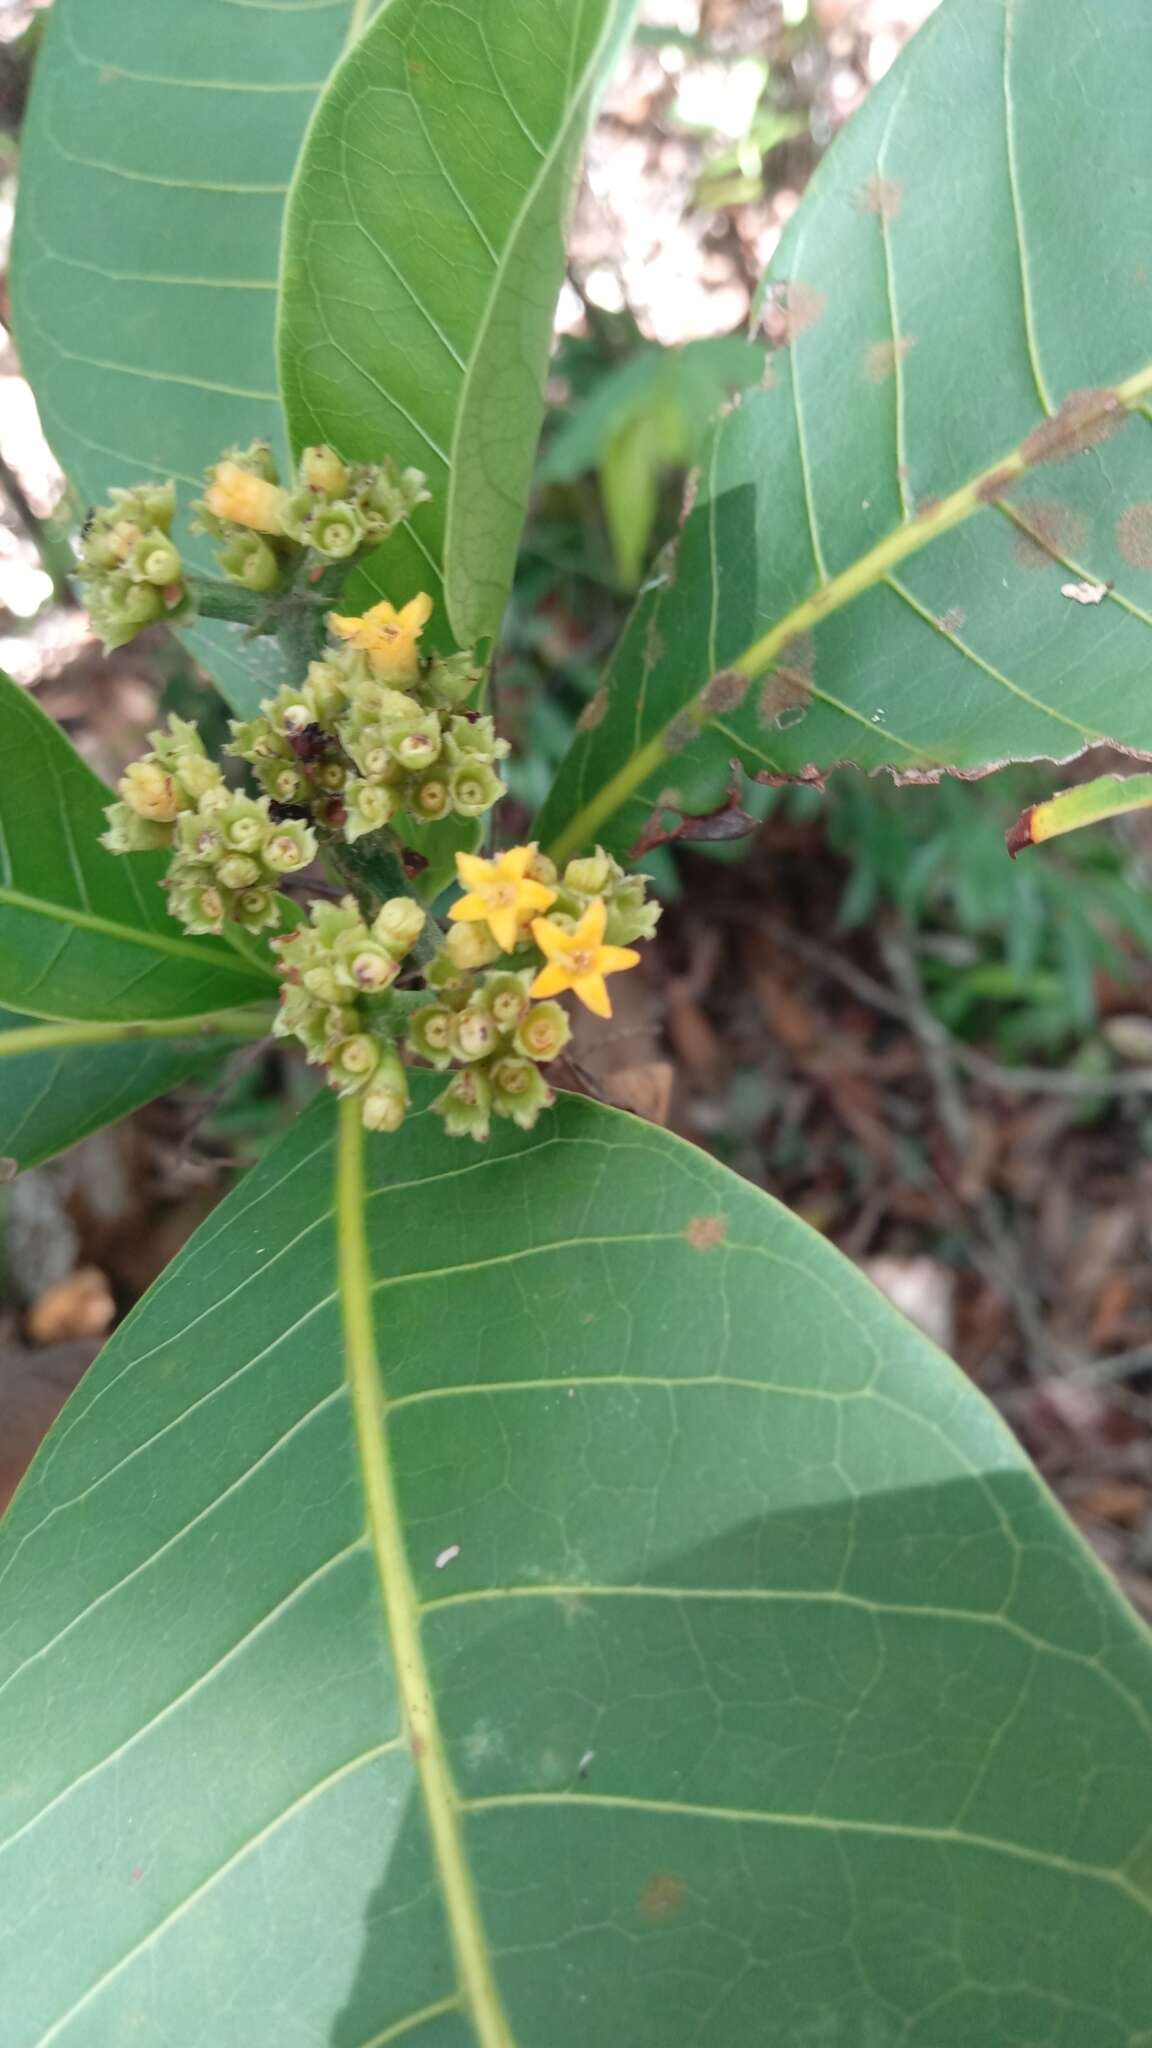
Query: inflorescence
[{"x": 375, "y": 739}]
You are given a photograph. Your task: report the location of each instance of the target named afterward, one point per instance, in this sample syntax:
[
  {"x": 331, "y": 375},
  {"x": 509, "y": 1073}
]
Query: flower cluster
[
  {"x": 372, "y": 732},
  {"x": 339, "y": 970},
  {"x": 229, "y": 853},
  {"x": 489, "y": 1012},
  {"x": 129, "y": 564},
  {"x": 333, "y": 510}
]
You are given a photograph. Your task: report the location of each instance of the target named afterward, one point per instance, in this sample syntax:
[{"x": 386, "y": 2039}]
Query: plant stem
[
  {"x": 218, "y": 600},
  {"x": 219, "y": 1024},
  {"x": 55, "y": 554},
  {"x": 376, "y": 873}
]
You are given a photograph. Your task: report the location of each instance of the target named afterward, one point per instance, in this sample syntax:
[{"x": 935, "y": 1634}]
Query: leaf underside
[
  {"x": 762, "y": 1695},
  {"x": 423, "y": 255},
  {"x": 85, "y": 933},
  {"x": 159, "y": 147},
  {"x": 945, "y": 287}
]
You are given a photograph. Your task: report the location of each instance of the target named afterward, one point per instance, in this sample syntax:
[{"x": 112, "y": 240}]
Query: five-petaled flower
[
  {"x": 388, "y": 637},
  {"x": 501, "y": 894},
  {"x": 579, "y": 960}
]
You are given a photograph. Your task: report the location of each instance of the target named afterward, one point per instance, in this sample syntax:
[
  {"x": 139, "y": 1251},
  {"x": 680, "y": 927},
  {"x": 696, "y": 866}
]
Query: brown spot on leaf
[
  {"x": 663, "y": 1896},
  {"x": 593, "y": 712},
  {"x": 790, "y": 310},
  {"x": 788, "y": 689},
  {"x": 1134, "y": 535},
  {"x": 1048, "y": 531},
  {"x": 953, "y": 620},
  {"x": 881, "y": 359},
  {"x": 681, "y": 732},
  {"x": 882, "y": 196},
  {"x": 927, "y": 506},
  {"x": 994, "y": 485},
  {"x": 706, "y": 1231},
  {"x": 725, "y": 692},
  {"x": 1084, "y": 420}
]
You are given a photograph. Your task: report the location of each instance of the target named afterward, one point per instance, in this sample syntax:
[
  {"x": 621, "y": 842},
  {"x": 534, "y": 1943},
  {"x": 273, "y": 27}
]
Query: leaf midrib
[
  {"x": 867, "y": 572},
  {"x": 369, "y": 1406},
  {"x": 131, "y": 935}
]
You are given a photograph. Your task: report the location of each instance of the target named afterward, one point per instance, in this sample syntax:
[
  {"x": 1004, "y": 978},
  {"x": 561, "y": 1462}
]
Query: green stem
[
  {"x": 217, "y": 600},
  {"x": 377, "y": 872},
  {"x": 220, "y": 1024}
]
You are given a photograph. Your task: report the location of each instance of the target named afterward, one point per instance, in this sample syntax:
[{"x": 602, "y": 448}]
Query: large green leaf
[
  {"x": 882, "y": 535},
  {"x": 160, "y": 143},
  {"x": 60, "y": 1082},
  {"x": 545, "y": 1597},
  {"x": 86, "y": 933},
  {"x": 423, "y": 255}
]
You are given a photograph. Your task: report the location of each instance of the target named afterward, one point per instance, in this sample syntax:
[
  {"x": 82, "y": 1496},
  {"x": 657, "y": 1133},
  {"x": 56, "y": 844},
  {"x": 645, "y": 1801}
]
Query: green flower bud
[
  {"x": 592, "y": 876},
  {"x": 200, "y": 906},
  {"x": 629, "y": 916},
  {"x": 322, "y": 470},
  {"x": 451, "y": 679},
  {"x": 287, "y": 785},
  {"x": 290, "y": 847},
  {"x": 157, "y": 560},
  {"x": 336, "y": 532},
  {"x": 368, "y": 806},
  {"x": 140, "y": 604},
  {"x": 473, "y": 739},
  {"x": 475, "y": 788},
  {"x": 417, "y": 750},
  {"x": 519, "y": 1091},
  {"x": 128, "y": 832},
  {"x": 197, "y": 776},
  {"x": 468, "y": 947},
  {"x": 466, "y": 1105},
  {"x": 353, "y": 1062},
  {"x": 475, "y": 1034},
  {"x": 249, "y": 560},
  {"x": 372, "y": 968},
  {"x": 430, "y": 799},
  {"x": 506, "y": 998},
  {"x": 430, "y": 1033},
  {"x": 253, "y": 739},
  {"x": 398, "y": 924},
  {"x": 244, "y": 830},
  {"x": 385, "y": 1101},
  {"x": 239, "y": 871},
  {"x": 331, "y": 775},
  {"x": 543, "y": 1033},
  {"x": 327, "y": 686},
  {"x": 257, "y": 909},
  {"x": 199, "y": 838},
  {"x": 324, "y": 984}
]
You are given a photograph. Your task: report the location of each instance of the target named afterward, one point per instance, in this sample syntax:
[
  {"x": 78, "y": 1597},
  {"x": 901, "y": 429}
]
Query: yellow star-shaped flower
[
  {"x": 579, "y": 960},
  {"x": 245, "y": 499},
  {"x": 501, "y": 894},
  {"x": 388, "y": 637}
]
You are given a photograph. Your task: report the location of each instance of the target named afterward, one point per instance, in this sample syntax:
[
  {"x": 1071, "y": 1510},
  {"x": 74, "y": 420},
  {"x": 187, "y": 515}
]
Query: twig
[{"x": 54, "y": 552}]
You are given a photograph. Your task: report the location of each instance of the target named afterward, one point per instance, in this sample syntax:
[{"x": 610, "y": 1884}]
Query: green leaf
[
  {"x": 423, "y": 254},
  {"x": 83, "y": 932},
  {"x": 61, "y": 1082},
  {"x": 1088, "y": 803},
  {"x": 640, "y": 1634},
  {"x": 159, "y": 146},
  {"x": 881, "y": 562}
]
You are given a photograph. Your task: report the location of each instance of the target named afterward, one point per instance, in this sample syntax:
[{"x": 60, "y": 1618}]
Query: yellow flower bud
[
  {"x": 150, "y": 791},
  {"x": 245, "y": 500}
]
